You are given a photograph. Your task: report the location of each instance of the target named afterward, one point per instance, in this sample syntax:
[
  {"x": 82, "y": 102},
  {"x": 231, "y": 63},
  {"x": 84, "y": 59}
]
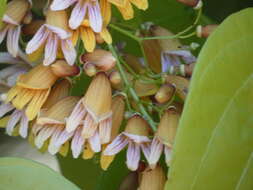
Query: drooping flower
[
  {"x": 84, "y": 9},
  {"x": 89, "y": 37},
  {"x": 164, "y": 137},
  {"x": 15, "y": 13},
  {"x": 54, "y": 37},
  {"x": 136, "y": 137},
  {"x": 118, "y": 108},
  {"x": 94, "y": 112}
]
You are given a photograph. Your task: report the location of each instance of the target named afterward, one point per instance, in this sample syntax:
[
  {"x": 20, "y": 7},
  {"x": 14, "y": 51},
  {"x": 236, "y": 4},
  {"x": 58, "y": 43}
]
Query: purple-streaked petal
[
  {"x": 155, "y": 152},
  {"x": 38, "y": 39},
  {"x": 133, "y": 156},
  {"x": 5, "y": 57},
  {"x": 184, "y": 54},
  {"x": 89, "y": 127},
  {"x": 23, "y": 129},
  {"x": 12, "y": 40},
  {"x": 95, "y": 142},
  {"x": 63, "y": 137},
  {"x": 43, "y": 135},
  {"x": 105, "y": 128},
  {"x": 9, "y": 20},
  {"x": 77, "y": 15},
  {"x": 63, "y": 34},
  {"x": 51, "y": 49},
  {"x": 168, "y": 153},
  {"x": 9, "y": 71},
  {"x": 95, "y": 16},
  {"x": 36, "y": 128},
  {"x": 75, "y": 117},
  {"x": 58, "y": 5},
  {"x": 169, "y": 61},
  {"x": 11, "y": 80},
  {"x": 3, "y": 33},
  {"x": 14, "y": 118},
  {"x": 116, "y": 145},
  {"x": 77, "y": 143},
  {"x": 137, "y": 138},
  {"x": 146, "y": 149},
  {"x": 5, "y": 108},
  {"x": 69, "y": 51}
]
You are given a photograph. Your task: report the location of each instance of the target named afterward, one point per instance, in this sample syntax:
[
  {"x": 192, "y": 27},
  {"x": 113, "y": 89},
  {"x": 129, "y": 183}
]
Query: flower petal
[
  {"x": 5, "y": 108},
  {"x": 51, "y": 49},
  {"x": 68, "y": 51},
  {"x": 105, "y": 128},
  {"x": 43, "y": 135},
  {"x": 38, "y": 39},
  {"x": 61, "y": 4},
  {"x": 137, "y": 138},
  {"x": 89, "y": 127},
  {"x": 116, "y": 145},
  {"x": 167, "y": 152},
  {"x": 13, "y": 39},
  {"x": 14, "y": 118},
  {"x": 77, "y": 15},
  {"x": 146, "y": 149},
  {"x": 23, "y": 129},
  {"x": 77, "y": 143},
  {"x": 63, "y": 34},
  {"x": 133, "y": 156},
  {"x": 95, "y": 17},
  {"x": 155, "y": 152},
  {"x": 88, "y": 38},
  {"x": 3, "y": 33},
  {"x": 95, "y": 142}
]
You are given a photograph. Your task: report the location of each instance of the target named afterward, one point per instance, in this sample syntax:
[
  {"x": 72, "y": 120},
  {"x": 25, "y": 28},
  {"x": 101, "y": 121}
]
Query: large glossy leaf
[
  {"x": 22, "y": 174},
  {"x": 214, "y": 145}
]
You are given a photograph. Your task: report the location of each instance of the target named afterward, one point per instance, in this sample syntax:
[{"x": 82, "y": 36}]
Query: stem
[
  {"x": 125, "y": 32},
  {"x": 131, "y": 90}
]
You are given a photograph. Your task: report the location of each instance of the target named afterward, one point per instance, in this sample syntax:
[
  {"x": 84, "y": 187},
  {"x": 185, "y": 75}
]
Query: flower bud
[
  {"x": 16, "y": 11},
  {"x": 115, "y": 77},
  {"x": 28, "y": 18},
  {"x": 57, "y": 19},
  {"x": 180, "y": 83},
  {"x": 130, "y": 182},
  {"x": 61, "y": 69},
  {"x": 191, "y": 3},
  {"x": 205, "y": 31},
  {"x": 136, "y": 125},
  {"x": 167, "y": 127},
  {"x": 103, "y": 60},
  {"x": 165, "y": 93},
  {"x": 90, "y": 69},
  {"x": 32, "y": 28},
  {"x": 134, "y": 63},
  {"x": 145, "y": 89},
  {"x": 153, "y": 179}
]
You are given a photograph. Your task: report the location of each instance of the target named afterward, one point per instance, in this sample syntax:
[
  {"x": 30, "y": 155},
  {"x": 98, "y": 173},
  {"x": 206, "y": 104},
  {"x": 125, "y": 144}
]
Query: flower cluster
[{"x": 131, "y": 103}]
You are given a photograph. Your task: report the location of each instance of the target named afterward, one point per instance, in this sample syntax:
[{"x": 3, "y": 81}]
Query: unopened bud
[
  {"x": 90, "y": 69},
  {"x": 115, "y": 78},
  {"x": 134, "y": 63},
  {"x": 32, "y": 28},
  {"x": 165, "y": 93},
  {"x": 103, "y": 59},
  {"x": 57, "y": 19},
  {"x": 28, "y": 18},
  {"x": 181, "y": 84},
  {"x": 130, "y": 182},
  {"x": 61, "y": 69},
  {"x": 145, "y": 89},
  {"x": 16, "y": 11},
  {"x": 153, "y": 179},
  {"x": 136, "y": 125},
  {"x": 205, "y": 31}
]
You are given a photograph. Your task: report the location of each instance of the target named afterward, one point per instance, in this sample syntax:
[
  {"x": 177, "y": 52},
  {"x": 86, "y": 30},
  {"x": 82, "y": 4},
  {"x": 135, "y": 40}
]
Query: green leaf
[
  {"x": 23, "y": 174},
  {"x": 214, "y": 144},
  {"x": 2, "y": 9}
]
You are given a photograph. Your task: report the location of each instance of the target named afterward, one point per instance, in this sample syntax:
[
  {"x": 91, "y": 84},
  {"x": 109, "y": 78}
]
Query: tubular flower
[
  {"x": 118, "y": 108},
  {"x": 50, "y": 125},
  {"x": 94, "y": 112},
  {"x": 54, "y": 37},
  {"x": 89, "y": 37},
  {"x": 136, "y": 137},
  {"x": 164, "y": 137},
  {"x": 126, "y": 9},
  {"x": 14, "y": 15},
  {"x": 84, "y": 9}
]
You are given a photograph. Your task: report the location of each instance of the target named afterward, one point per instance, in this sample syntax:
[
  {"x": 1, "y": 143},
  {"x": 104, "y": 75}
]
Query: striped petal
[
  {"x": 14, "y": 119},
  {"x": 12, "y": 40},
  {"x": 77, "y": 15},
  {"x": 95, "y": 17},
  {"x": 77, "y": 143},
  {"x": 51, "y": 49},
  {"x": 105, "y": 128},
  {"x": 95, "y": 142},
  {"x": 116, "y": 145},
  {"x": 69, "y": 51},
  {"x": 155, "y": 152},
  {"x": 23, "y": 129},
  {"x": 58, "y": 5},
  {"x": 5, "y": 108},
  {"x": 133, "y": 156},
  {"x": 88, "y": 38}
]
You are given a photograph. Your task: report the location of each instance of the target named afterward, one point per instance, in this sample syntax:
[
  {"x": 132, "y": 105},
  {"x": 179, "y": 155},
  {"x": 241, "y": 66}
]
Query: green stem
[
  {"x": 131, "y": 90},
  {"x": 125, "y": 32}
]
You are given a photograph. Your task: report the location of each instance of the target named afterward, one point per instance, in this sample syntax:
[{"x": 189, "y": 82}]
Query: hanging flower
[
  {"x": 164, "y": 137},
  {"x": 84, "y": 9},
  {"x": 94, "y": 112},
  {"x": 136, "y": 137},
  {"x": 15, "y": 13},
  {"x": 54, "y": 38}
]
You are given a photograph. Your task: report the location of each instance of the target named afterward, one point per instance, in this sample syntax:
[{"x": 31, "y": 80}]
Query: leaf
[
  {"x": 214, "y": 144},
  {"x": 2, "y": 9},
  {"x": 26, "y": 174}
]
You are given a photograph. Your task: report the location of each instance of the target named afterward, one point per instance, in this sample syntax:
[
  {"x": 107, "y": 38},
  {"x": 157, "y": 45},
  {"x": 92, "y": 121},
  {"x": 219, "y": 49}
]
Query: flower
[
  {"x": 94, "y": 112},
  {"x": 126, "y": 9},
  {"x": 50, "y": 125},
  {"x": 136, "y": 137},
  {"x": 118, "y": 109},
  {"x": 89, "y": 37},
  {"x": 164, "y": 137},
  {"x": 54, "y": 37},
  {"x": 14, "y": 15},
  {"x": 89, "y": 9}
]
